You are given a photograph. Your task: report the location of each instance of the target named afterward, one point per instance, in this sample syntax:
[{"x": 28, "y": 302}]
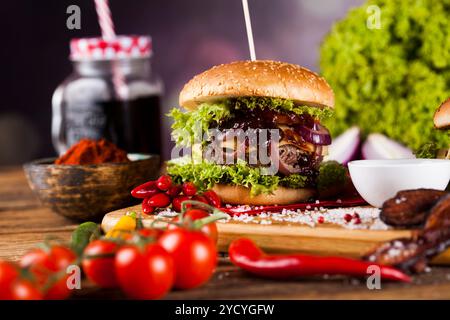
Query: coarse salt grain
[
  {"x": 360, "y": 217},
  {"x": 394, "y": 252},
  {"x": 167, "y": 213}
]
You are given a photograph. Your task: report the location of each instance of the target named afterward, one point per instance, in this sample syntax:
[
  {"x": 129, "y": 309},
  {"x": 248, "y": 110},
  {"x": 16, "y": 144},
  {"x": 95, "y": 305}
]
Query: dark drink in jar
[
  {"x": 109, "y": 96},
  {"x": 133, "y": 125}
]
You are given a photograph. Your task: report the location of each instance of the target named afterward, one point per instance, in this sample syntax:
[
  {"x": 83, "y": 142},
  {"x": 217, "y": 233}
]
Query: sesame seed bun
[
  {"x": 261, "y": 78},
  {"x": 442, "y": 115},
  {"x": 234, "y": 194}
]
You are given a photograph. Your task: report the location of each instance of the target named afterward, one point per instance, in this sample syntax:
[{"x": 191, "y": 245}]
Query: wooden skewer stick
[{"x": 248, "y": 26}]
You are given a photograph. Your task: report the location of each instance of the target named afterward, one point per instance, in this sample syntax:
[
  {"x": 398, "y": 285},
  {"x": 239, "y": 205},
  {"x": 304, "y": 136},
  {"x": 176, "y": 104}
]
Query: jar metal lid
[{"x": 121, "y": 47}]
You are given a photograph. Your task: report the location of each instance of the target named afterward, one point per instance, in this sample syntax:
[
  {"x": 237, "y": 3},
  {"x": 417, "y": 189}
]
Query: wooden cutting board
[{"x": 280, "y": 237}]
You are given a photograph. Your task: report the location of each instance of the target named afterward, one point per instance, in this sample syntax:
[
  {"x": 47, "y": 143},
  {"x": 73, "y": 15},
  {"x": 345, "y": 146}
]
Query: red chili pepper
[
  {"x": 189, "y": 189},
  {"x": 237, "y": 210},
  {"x": 160, "y": 200},
  {"x": 246, "y": 255},
  {"x": 176, "y": 202},
  {"x": 213, "y": 198},
  {"x": 145, "y": 190},
  {"x": 200, "y": 199},
  {"x": 164, "y": 183},
  {"x": 174, "y": 191},
  {"x": 146, "y": 208}
]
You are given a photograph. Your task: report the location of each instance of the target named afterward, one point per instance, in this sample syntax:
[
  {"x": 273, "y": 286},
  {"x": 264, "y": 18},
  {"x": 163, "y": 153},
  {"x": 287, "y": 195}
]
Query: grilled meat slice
[
  {"x": 395, "y": 253},
  {"x": 440, "y": 215},
  {"x": 414, "y": 254},
  {"x": 293, "y": 159},
  {"x": 410, "y": 207}
]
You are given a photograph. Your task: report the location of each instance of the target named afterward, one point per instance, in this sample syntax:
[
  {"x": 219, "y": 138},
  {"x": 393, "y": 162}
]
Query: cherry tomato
[
  {"x": 100, "y": 270},
  {"x": 189, "y": 189},
  {"x": 44, "y": 264},
  {"x": 144, "y": 273},
  {"x": 194, "y": 255},
  {"x": 150, "y": 233},
  {"x": 164, "y": 183},
  {"x": 25, "y": 290},
  {"x": 145, "y": 232},
  {"x": 8, "y": 274},
  {"x": 209, "y": 229}
]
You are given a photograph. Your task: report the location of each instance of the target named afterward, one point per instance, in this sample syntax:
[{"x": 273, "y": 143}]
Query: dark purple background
[{"x": 188, "y": 36}]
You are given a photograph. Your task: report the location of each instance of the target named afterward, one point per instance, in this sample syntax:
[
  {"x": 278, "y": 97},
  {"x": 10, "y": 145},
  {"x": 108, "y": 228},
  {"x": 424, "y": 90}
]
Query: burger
[
  {"x": 256, "y": 95},
  {"x": 442, "y": 121}
]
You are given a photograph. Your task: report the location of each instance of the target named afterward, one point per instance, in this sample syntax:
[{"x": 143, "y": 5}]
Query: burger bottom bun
[{"x": 281, "y": 196}]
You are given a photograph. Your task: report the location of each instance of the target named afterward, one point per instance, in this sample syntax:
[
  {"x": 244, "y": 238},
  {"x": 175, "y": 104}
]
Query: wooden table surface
[{"x": 24, "y": 223}]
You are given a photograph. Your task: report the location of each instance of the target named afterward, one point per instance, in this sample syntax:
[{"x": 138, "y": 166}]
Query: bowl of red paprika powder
[{"x": 91, "y": 179}]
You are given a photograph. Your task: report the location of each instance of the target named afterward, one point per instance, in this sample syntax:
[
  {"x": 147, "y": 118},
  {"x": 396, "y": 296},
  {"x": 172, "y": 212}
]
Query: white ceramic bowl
[{"x": 379, "y": 180}]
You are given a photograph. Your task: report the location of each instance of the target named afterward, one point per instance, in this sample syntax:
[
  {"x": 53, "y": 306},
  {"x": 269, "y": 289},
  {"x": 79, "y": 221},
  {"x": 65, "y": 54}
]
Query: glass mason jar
[{"x": 112, "y": 94}]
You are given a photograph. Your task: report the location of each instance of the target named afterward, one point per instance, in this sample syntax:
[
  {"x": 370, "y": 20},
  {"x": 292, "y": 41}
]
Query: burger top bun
[
  {"x": 442, "y": 115},
  {"x": 261, "y": 78}
]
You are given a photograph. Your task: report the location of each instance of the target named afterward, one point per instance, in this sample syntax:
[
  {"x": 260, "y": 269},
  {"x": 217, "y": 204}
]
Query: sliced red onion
[
  {"x": 378, "y": 147},
  {"x": 318, "y": 150},
  {"x": 345, "y": 147},
  {"x": 318, "y": 134}
]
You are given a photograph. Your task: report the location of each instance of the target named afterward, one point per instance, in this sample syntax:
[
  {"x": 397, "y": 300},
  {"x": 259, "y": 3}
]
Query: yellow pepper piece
[{"x": 126, "y": 223}]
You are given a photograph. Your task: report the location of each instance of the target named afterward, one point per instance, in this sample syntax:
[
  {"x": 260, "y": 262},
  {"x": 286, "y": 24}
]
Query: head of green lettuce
[{"x": 391, "y": 77}]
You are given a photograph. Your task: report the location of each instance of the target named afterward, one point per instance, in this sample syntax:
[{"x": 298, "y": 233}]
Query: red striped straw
[
  {"x": 105, "y": 19},
  {"x": 107, "y": 28}
]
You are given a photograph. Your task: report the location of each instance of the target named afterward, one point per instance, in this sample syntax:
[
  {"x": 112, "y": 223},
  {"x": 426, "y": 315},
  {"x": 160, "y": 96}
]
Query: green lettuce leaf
[
  {"x": 205, "y": 175},
  {"x": 278, "y": 104},
  {"x": 427, "y": 151},
  {"x": 295, "y": 181},
  {"x": 189, "y": 126}
]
